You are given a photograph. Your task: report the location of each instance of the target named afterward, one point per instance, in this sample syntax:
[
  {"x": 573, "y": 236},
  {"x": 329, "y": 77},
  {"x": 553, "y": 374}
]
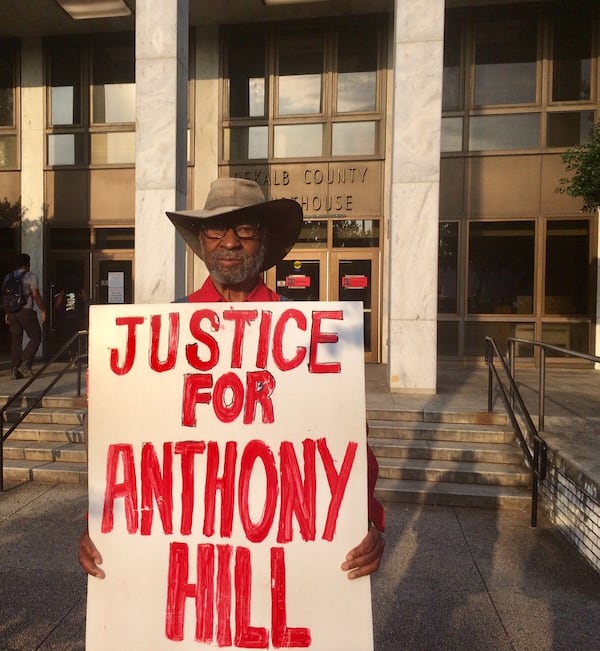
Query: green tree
[{"x": 583, "y": 162}]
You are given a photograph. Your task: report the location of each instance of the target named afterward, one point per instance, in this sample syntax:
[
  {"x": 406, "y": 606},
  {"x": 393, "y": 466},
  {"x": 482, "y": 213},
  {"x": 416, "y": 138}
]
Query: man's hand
[
  {"x": 89, "y": 556},
  {"x": 365, "y": 559}
]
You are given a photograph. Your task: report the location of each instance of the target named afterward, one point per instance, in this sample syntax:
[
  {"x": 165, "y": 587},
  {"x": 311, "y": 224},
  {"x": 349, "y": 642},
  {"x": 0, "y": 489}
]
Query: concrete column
[
  {"x": 414, "y": 210},
  {"x": 32, "y": 158},
  {"x": 206, "y": 131},
  {"x": 161, "y": 147}
]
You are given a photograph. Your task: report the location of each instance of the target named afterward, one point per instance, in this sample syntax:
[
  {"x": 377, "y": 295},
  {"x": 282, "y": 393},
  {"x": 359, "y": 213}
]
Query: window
[
  {"x": 572, "y": 56},
  {"x": 8, "y": 125},
  {"x": 113, "y": 81},
  {"x": 302, "y": 92},
  {"x": 300, "y": 72},
  {"x": 569, "y": 129},
  {"x": 247, "y": 73},
  {"x": 91, "y": 101},
  {"x": 567, "y": 267},
  {"x": 506, "y": 61},
  {"x": 448, "y": 268},
  {"x": 501, "y": 262},
  {"x": 506, "y": 131},
  {"x": 357, "y": 69}
]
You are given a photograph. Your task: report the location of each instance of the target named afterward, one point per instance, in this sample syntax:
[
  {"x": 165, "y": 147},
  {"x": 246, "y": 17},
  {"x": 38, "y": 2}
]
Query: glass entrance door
[
  {"x": 332, "y": 276},
  {"x": 113, "y": 278},
  {"x": 355, "y": 277},
  {"x": 68, "y": 271},
  {"x": 302, "y": 276}
]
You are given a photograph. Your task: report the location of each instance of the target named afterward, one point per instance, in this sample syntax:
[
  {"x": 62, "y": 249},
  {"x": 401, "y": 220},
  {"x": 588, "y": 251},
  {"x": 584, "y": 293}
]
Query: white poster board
[{"x": 227, "y": 476}]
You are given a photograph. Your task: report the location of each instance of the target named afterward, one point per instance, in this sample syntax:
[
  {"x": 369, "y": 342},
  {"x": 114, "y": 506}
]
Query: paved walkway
[{"x": 452, "y": 578}]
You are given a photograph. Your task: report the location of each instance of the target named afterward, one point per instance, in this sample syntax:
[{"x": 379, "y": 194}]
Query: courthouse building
[{"x": 422, "y": 138}]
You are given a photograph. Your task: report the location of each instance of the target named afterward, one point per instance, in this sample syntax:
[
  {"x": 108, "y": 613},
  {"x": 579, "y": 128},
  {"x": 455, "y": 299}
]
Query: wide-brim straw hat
[{"x": 240, "y": 199}]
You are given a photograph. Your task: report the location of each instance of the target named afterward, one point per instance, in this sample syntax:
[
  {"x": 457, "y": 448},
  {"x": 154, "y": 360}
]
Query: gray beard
[{"x": 241, "y": 274}]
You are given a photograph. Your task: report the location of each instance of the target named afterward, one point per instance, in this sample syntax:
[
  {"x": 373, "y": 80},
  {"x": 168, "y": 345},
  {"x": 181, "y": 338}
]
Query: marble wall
[
  {"x": 161, "y": 147},
  {"x": 414, "y": 211}
]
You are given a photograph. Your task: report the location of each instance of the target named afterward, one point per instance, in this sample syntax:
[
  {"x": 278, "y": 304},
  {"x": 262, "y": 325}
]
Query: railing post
[
  {"x": 1, "y": 451},
  {"x": 535, "y": 478},
  {"x": 511, "y": 366},
  {"x": 489, "y": 358},
  {"x": 542, "y": 389}
]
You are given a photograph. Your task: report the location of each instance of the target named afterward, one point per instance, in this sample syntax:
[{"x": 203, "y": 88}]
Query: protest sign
[{"x": 227, "y": 476}]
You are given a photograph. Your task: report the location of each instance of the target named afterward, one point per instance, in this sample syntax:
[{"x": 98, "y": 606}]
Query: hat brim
[{"x": 281, "y": 217}]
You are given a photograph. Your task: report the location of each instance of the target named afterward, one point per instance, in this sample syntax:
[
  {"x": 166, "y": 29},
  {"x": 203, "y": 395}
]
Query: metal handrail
[
  {"x": 80, "y": 338},
  {"x": 535, "y": 449},
  {"x": 567, "y": 352}
]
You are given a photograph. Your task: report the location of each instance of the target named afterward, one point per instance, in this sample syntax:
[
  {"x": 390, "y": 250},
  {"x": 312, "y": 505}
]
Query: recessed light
[{"x": 85, "y": 9}]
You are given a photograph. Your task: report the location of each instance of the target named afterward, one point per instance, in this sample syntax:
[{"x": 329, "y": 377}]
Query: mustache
[{"x": 230, "y": 255}]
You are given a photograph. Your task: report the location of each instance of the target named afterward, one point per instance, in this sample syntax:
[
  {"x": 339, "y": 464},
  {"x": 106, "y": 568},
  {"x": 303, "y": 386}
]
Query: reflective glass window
[
  {"x": 448, "y": 268},
  {"x": 65, "y": 149},
  {"x": 510, "y": 131},
  {"x": 115, "y": 148},
  {"x": 300, "y": 72},
  {"x": 451, "y": 95},
  {"x": 313, "y": 234},
  {"x": 7, "y": 86},
  {"x": 569, "y": 129},
  {"x": 65, "y": 84},
  {"x": 575, "y": 336},
  {"x": 354, "y": 138},
  {"x": 500, "y": 267},
  {"x": 357, "y": 68},
  {"x": 247, "y": 74},
  {"x": 8, "y": 151},
  {"x": 476, "y": 332},
  {"x": 506, "y": 61},
  {"x": 572, "y": 56},
  {"x": 348, "y": 233},
  {"x": 113, "y": 81},
  {"x": 298, "y": 140},
  {"x": 115, "y": 238},
  {"x": 567, "y": 267},
  {"x": 452, "y": 134},
  {"x": 69, "y": 238},
  {"x": 246, "y": 143}
]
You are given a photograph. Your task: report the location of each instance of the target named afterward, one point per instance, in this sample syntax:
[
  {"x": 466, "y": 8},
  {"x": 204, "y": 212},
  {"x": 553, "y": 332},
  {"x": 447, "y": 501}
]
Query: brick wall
[{"x": 571, "y": 501}]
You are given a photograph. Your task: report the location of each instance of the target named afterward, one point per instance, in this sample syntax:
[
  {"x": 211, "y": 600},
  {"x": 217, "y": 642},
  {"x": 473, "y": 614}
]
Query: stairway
[
  {"x": 449, "y": 458},
  {"x": 49, "y": 445},
  {"x": 455, "y": 459}
]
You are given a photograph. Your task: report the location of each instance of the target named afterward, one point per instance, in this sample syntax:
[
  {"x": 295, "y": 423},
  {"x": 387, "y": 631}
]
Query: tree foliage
[{"x": 583, "y": 162}]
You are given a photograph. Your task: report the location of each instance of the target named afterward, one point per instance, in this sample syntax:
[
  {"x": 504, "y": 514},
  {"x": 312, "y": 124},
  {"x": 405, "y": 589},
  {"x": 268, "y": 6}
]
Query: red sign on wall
[
  {"x": 297, "y": 281},
  {"x": 355, "y": 281}
]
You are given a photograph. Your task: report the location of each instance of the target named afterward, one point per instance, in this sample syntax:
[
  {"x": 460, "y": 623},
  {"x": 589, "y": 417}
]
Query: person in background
[
  {"x": 239, "y": 235},
  {"x": 24, "y": 320}
]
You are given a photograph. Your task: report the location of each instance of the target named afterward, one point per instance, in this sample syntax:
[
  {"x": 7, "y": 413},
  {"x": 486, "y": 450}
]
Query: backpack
[{"x": 13, "y": 293}]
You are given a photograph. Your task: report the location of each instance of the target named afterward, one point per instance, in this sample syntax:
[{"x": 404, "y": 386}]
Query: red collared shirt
[{"x": 208, "y": 293}]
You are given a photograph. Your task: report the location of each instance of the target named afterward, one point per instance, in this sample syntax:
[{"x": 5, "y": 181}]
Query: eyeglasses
[{"x": 242, "y": 231}]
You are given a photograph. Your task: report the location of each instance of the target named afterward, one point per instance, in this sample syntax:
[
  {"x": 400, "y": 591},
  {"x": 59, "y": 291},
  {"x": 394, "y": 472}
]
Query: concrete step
[
  {"x": 453, "y": 494},
  {"x": 48, "y": 432},
  {"x": 55, "y": 415},
  {"x": 440, "y": 431},
  {"x": 419, "y": 415},
  {"x": 46, "y": 451},
  {"x": 56, "y": 472},
  {"x": 500, "y": 474},
  {"x": 385, "y": 449}
]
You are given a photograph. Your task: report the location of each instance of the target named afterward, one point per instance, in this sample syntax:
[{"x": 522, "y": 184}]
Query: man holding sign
[{"x": 238, "y": 235}]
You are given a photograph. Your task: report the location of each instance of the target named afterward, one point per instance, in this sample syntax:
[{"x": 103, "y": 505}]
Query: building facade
[{"x": 421, "y": 137}]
